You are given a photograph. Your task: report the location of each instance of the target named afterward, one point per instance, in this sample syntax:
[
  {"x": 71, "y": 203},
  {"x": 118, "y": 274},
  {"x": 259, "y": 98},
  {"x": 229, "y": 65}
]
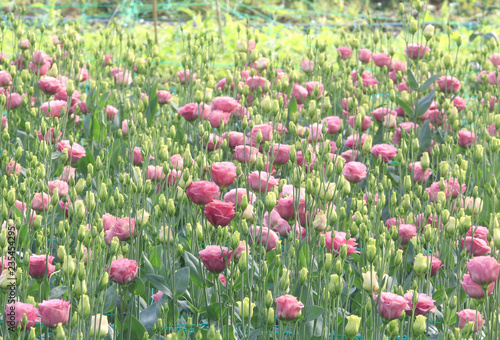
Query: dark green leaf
[
  {"x": 160, "y": 283},
  {"x": 424, "y": 103},
  {"x": 194, "y": 272},
  {"x": 428, "y": 83},
  {"x": 131, "y": 326},
  {"x": 314, "y": 312},
  {"x": 110, "y": 298},
  {"x": 379, "y": 136},
  {"x": 148, "y": 317},
  {"x": 254, "y": 335},
  {"x": 473, "y": 36},
  {"x": 57, "y": 292},
  {"x": 146, "y": 267},
  {"x": 215, "y": 311},
  {"x": 406, "y": 108},
  {"x": 181, "y": 281},
  {"x": 23, "y": 235},
  {"x": 425, "y": 137},
  {"x": 412, "y": 81},
  {"x": 153, "y": 105}
]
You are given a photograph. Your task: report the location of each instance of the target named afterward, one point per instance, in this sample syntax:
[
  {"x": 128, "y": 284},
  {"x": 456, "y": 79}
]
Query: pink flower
[
  {"x": 226, "y": 104},
  {"x": 215, "y": 258},
  {"x": 418, "y": 172},
  {"x": 54, "y": 108},
  {"x": 123, "y": 78},
  {"x": 391, "y": 306},
  {"x": 466, "y": 138},
  {"x": 288, "y": 307},
  {"x": 125, "y": 127},
  {"x": 380, "y": 113},
  {"x": 177, "y": 161},
  {"x": 123, "y": 229},
  {"x": 41, "y": 265},
  {"x": 406, "y": 232},
  {"x": 350, "y": 155},
  {"x": 54, "y": 312},
  {"x": 470, "y": 315},
  {"x": 311, "y": 85},
  {"x": 398, "y": 66},
  {"x": 61, "y": 186},
  {"x": 299, "y": 93},
  {"x": 67, "y": 174},
  {"x": 14, "y": 314},
  {"x": 425, "y": 304},
  {"x": 213, "y": 142},
  {"x": 123, "y": 271},
  {"x": 337, "y": 239},
  {"x": 13, "y": 168},
  {"x": 137, "y": 158},
  {"x": 111, "y": 112},
  {"x": 192, "y": 111},
  {"x": 223, "y": 173},
  {"x": 435, "y": 265},
  {"x": 261, "y": 181},
  {"x": 381, "y": 59},
  {"x": 107, "y": 59},
  {"x": 14, "y": 100},
  {"x": 354, "y": 171},
  {"x": 416, "y": 51},
  {"x": 157, "y": 296},
  {"x": 5, "y": 79},
  {"x": 263, "y": 236},
  {"x": 475, "y": 246},
  {"x": 236, "y": 138},
  {"x": 163, "y": 97},
  {"x": 474, "y": 290},
  {"x": 365, "y": 124},
  {"x": 216, "y": 116},
  {"x": 365, "y": 55},
  {"x": 186, "y": 76},
  {"x": 155, "y": 173},
  {"x": 108, "y": 221},
  {"x": 75, "y": 151},
  {"x": 240, "y": 192},
  {"x": 256, "y": 82},
  {"x": 459, "y": 103},
  {"x": 483, "y": 269},
  {"x": 265, "y": 129},
  {"x": 280, "y": 154},
  {"x": 448, "y": 84},
  {"x": 345, "y": 52},
  {"x": 307, "y": 65},
  {"x": 315, "y": 132},
  {"x": 386, "y": 151},
  {"x": 40, "y": 202},
  {"x": 333, "y": 124},
  {"x": 245, "y": 153},
  {"x": 50, "y": 85},
  {"x": 353, "y": 141},
  {"x": 202, "y": 192},
  {"x": 493, "y": 78},
  {"x": 40, "y": 57},
  {"x": 49, "y": 136},
  {"x": 219, "y": 213},
  {"x": 478, "y": 232},
  {"x": 495, "y": 59}
]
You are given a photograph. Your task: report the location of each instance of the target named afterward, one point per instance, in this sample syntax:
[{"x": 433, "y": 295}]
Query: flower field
[{"x": 346, "y": 190}]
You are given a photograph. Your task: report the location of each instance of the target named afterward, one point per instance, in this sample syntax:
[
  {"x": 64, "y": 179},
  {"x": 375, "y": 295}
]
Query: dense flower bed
[{"x": 349, "y": 195}]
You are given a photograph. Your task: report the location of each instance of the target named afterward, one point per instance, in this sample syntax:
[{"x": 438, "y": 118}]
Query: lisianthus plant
[{"x": 349, "y": 194}]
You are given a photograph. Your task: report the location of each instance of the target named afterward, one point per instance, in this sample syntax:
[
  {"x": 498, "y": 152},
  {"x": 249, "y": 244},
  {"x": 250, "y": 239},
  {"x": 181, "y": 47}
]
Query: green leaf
[
  {"x": 149, "y": 317},
  {"x": 379, "y": 136},
  {"x": 131, "y": 326},
  {"x": 215, "y": 311},
  {"x": 473, "y": 36},
  {"x": 424, "y": 103},
  {"x": 160, "y": 283},
  {"x": 110, "y": 298},
  {"x": 194, "y": 264},
  {"x": 181, "y": 281},
  {"x": 23, "y": 236},
  {"x": 314, "y": 312},
  {"x": 428, "y": 83},
  {"x": 57, "y": 292},
  {"x": 406, "y": 108},
  {"x": 153, "y": 105},
  {"x": 425, "y": 137},
  {"x": 155, "y": 256},
  {"x": 146, "y": 267},
  {"x": 412, "y": 81},
  {"x": 490, "y": 35},
  {"x": 137, "y": 287}
]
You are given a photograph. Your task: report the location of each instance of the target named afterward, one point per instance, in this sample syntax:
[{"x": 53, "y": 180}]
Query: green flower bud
[
  {"x": 303, "y": 276},
  {"x": 352, "y": 327},
  {"x": 421, "y": 265},
  {"x": 245, "y": 308}
]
